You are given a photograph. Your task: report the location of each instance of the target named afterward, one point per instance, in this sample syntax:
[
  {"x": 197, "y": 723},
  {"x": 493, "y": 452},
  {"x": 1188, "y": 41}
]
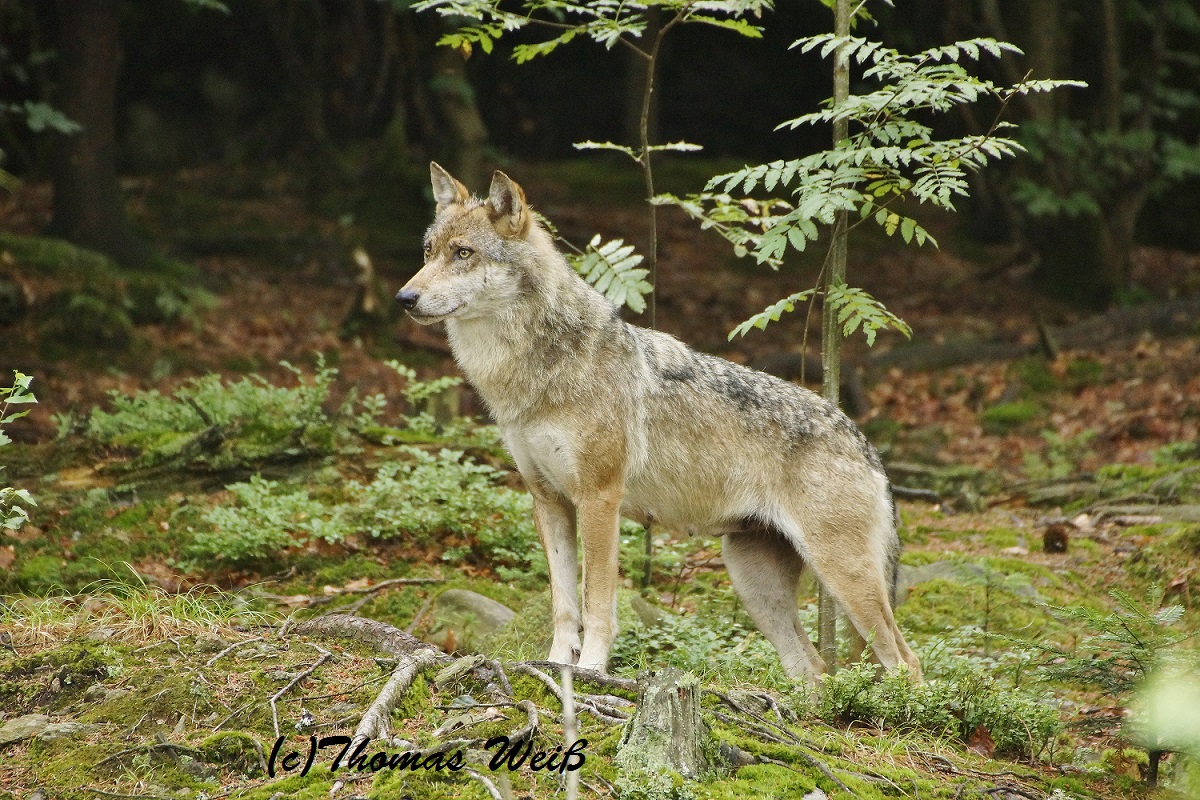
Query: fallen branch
[
  {"x": 1172, "y": 318},
  {"x": 1188, "y": 513},
  {"x": 148, "y": 748},
  {"x": 230, "y": 649},
  {"x": 907, "y": 493},
  {"x": 486, "y": 782},
  {"x": 824, "y": 770},
  {"x": 325, "y": 656},
  {"x": 589, "y": 675},
  {"x": 570, "y": 728},
  {"x": 616, "y": 718},
  {"x": 532, "y": 723}
]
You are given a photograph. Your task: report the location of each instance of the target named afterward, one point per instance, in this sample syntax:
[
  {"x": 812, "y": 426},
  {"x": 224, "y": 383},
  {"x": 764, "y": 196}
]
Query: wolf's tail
[{"x": 893, "y": 552}]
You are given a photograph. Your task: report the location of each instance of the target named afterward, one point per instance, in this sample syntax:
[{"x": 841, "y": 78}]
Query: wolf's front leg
[
  {"x": 599, "y": 522},
  {"x": 555, "y": 521}
]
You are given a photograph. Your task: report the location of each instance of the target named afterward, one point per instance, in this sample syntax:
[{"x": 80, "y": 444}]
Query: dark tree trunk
[
  {"x": 456, "y": 100},
  {"x": 88, "y": 207}
]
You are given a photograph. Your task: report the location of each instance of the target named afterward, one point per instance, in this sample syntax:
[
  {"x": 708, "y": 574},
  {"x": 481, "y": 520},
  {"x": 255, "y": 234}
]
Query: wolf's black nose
[{"x": 408, "y": 297}]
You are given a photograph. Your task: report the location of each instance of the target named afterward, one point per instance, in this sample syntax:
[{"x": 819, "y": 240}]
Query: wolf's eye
[
  {"x": 428, "y": 248},
  {"x": 464, "y": 252}
]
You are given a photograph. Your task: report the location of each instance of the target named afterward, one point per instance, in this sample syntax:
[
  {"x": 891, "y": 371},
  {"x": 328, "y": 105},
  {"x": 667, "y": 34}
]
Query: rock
[
  {"x": 65, "y": 730},
  {"x": 650, "y": 615},
  {"x": 101, "y": 634},
  {"x": 210, "y": 644},
  {"x": 21, "y": 728},
  {"x": 114, "y": 694},
  {"x": 462, "y": 619},
  {"x": 96, "y": 693}
]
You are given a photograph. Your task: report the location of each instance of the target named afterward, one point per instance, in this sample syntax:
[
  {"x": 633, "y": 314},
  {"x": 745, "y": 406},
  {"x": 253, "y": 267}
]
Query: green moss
[
  {"x": 919, "y": 558},
  {"x": 1035, "y": 374},
  {"x": 939, "y": 605},
  {"x": 1000, "y": 538},
  {"x": 40, "y": 574},
  {"x": 53, "y": 678},
  {"x": 1167, "y": 558},
  {"x": 1004, "y": 417},
  {"x": 233, "y": 750},
  {"x": 418, "y": 702}
]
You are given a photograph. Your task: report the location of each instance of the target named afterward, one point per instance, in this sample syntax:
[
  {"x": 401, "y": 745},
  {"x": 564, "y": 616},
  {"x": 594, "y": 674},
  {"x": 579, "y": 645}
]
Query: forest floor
[{"x": 1061, "y": 478}]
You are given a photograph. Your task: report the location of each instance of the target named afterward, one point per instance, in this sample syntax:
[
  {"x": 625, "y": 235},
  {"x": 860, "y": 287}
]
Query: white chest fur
[{"x": 548, "y": 451}]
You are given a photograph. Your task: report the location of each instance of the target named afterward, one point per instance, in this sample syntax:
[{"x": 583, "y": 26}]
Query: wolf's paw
[
  {"x": 595, "y": 661},
  {"x": 564, "y": 654}
]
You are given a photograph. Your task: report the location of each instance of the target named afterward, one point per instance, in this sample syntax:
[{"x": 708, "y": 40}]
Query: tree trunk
[
  {"x": 831, "y": 332},
  {"x": 666, "y": 734},
  {"x": 456, "y": 99},
  {"x": 88, "y": 208},
  {"x": 635, "y": 88}
]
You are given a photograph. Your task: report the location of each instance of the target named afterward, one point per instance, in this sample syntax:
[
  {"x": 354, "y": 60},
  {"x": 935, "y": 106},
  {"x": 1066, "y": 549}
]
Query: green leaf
[
  {"x": 771, "y": 313},
  {"x": 611, "y": 267},
  {"x": 528, "y": 52},
  {"x": 735, "y": 24},
  {"x": 42, "y": 116}
]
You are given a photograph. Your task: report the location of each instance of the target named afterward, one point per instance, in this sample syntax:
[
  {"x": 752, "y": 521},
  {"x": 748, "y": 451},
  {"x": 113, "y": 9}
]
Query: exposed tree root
[
  {"x": 379, "y": 635},
  {"x": 374, "y": 724}
]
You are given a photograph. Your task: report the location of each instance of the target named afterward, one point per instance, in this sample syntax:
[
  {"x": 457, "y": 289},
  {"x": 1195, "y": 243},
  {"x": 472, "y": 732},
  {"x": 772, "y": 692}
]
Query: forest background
[{"x": 204, "y": 210}]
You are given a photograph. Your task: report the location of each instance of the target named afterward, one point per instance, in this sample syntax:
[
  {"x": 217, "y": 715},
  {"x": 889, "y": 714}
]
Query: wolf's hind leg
[
  {"x": 849, "y": 554},
  {"x": 765, "y": 569},
  {"x": 554, "y": 518}
]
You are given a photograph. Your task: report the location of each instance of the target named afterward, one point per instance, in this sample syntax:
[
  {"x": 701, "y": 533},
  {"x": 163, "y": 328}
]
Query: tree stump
[{"x": 664, "y": 742}]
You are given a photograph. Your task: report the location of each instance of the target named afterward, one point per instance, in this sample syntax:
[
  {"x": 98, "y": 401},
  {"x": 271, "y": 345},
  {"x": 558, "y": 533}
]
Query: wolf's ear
[
  {"x": 506, "y": 206},
  {"x": 446, "y": 190}
]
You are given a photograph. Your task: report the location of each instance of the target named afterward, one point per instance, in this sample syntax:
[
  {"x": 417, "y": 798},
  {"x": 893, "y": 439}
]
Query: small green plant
[
  {"x": 888, "y": 154},
  {"x": 1003, "y": 417},
  {"x": 13, "y": 513},
  {"x": 419, "y": 392},
  {"x": 223, "y": 424},
  {"x": 715, "y": 646},
  {"x": 1122, "y": 651},
  {"x": 446, "y": 494},
  {"x": 961, "y": 703},
  {"x": 1063, "y": 455}
]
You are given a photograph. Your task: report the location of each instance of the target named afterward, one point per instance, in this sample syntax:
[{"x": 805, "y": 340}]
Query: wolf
[{"x": 605, "y": 419}]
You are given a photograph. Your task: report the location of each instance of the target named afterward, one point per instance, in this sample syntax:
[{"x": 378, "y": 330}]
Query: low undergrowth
[{"x": 300, "y": 502}]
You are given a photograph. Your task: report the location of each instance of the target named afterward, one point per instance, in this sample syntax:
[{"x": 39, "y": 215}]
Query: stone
[
  {"x": 462, "y": 619},
  {"x": 65, "y": 730},
  {"x": 21, "y": 728}
]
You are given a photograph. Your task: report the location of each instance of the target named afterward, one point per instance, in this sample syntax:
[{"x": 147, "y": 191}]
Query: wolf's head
[{"x": 473, "y": 251}]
